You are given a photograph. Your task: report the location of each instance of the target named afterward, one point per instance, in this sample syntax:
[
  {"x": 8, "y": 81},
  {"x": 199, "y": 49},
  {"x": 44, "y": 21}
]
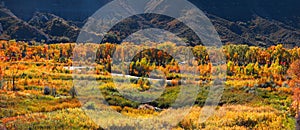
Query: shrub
[
  {"x": 90, "y": 106},
  {"x": 47, "y": 90}
]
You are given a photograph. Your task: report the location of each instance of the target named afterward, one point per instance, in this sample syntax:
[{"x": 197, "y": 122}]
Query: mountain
[
  {"x": 42, "y": 27},
  {"x": 58, "y": 29},
  {"x": 257, "y": 31},
  {"x": 286, "y": 11},
  {"x": 16, "y": 28},
  {"x": 255, "y": 22}
]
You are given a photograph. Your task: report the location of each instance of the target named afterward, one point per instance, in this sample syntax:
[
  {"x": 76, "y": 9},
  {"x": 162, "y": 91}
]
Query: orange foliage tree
[{"x": 294, "y": 72}]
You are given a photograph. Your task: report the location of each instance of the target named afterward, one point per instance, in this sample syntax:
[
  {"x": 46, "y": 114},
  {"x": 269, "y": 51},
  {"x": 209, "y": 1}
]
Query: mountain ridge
[{"x": 51, "y": 28}]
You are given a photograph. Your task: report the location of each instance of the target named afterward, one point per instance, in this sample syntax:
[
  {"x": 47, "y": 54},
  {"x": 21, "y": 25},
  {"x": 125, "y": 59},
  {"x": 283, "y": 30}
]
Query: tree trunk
[{"x": 13, "y": 82}]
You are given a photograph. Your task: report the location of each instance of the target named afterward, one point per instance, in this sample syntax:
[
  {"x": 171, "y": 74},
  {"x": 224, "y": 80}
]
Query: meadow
[{"x": 38, "y": 88}]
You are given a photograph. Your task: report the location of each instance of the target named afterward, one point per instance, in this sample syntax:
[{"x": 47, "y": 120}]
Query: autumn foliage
[{"x": 258, "y": 94}]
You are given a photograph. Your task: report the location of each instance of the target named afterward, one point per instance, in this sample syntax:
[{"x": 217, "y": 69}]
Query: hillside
[{"x": 53, "y": 22}]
